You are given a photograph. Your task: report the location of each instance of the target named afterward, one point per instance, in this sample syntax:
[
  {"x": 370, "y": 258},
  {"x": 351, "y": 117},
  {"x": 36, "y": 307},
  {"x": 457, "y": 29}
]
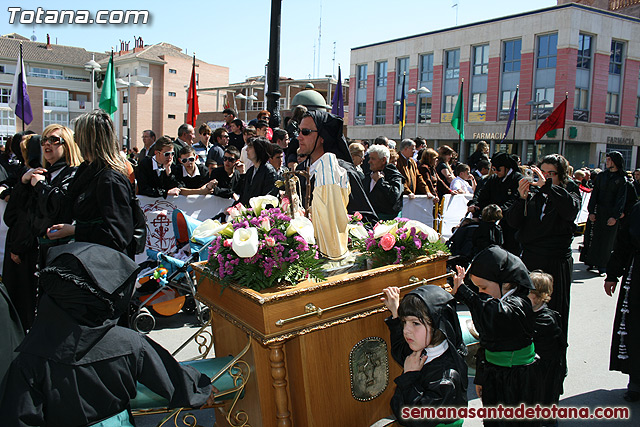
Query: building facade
[
  {"x": 590, "y": 55},
  {"x": 59, "y": 86}
]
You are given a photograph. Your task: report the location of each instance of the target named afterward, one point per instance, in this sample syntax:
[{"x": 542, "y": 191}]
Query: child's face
[
  {"x": 536, "y": 301},
  {"x": 416, "y": 333},
  {"x": 487, "y": 286}
]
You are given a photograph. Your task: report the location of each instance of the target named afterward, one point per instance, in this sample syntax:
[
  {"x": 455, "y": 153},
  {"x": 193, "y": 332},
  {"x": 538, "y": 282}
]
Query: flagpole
[
  {"x": 193, "y": 110},
  {"x": 515, "y": 116},
  {"x": 459, "y": 136},
  {"x": 21, "y": 95},
  {"x": 566, "y": 96}
]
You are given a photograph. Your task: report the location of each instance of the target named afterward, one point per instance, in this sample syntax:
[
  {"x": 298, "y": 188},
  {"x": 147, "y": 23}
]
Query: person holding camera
[{"x": 544, "y": 216}]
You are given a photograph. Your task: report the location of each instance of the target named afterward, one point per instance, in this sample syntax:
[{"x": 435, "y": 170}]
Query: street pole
[
  {"x": 535, "y": 141},
  {"x": 273, "y": 69}
]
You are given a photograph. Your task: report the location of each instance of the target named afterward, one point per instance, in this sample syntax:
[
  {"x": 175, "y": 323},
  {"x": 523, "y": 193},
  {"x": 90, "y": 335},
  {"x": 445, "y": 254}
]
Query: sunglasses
[
  {"x": 52, "y": 139},
  {"x": 229, "y": 159},
  {"x": 169, "y": 153},
  {"x": 188, "y": 159},
  {"x": 307, "y": 132}
]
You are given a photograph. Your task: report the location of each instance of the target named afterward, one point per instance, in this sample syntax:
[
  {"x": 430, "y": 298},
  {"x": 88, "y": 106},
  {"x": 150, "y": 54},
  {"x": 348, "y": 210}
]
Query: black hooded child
[
  {"x": 504, "y": 318},
  {"x": 330, "y": 130},
  {"x": 76, "y": 366},
  {"x": 442, "y": 380}
]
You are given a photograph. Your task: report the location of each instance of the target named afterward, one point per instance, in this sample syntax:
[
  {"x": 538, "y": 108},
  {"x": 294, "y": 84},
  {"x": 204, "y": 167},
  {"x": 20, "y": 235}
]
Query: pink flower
[
  {"x": 357, "y": 216},
  {"x": 387, "y": 241},
  {"x": 227, "y": 243},
  {"x": 270, "y": 241}
]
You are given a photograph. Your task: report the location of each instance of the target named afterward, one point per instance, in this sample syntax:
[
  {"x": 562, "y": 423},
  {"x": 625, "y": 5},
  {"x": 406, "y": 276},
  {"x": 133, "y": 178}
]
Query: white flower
[
  {"x": 381, "y": 229},
  {"x": 303, "y": 227},
  {"x": 257, "y": 203},
  {"x": 432, "y": 235},
  {"x": 265, "y": 224},
  {"x": 245, "y": 242},
  {"x": 358, "y": 231}
]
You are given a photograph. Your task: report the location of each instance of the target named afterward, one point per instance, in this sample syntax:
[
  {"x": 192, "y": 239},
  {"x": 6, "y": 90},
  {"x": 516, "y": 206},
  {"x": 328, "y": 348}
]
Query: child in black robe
[
  {"x": 549, "y": 341},
  {"x": 489, "y": 231},
  {"x": 427, "y": 341},
  {"x": 76, "y": 367},
  {"x": 496, "y": 290}
]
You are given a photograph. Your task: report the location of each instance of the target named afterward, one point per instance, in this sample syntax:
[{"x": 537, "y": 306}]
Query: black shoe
[
  {"x": 631, "y": 396},
  {"x": 591, "y": 268}
]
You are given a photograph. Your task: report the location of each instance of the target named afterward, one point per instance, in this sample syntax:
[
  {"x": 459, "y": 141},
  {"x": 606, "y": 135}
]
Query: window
[
  {"x": 381, "y": 111},
  {"x": 507, "y": 98},
  {"x": 450, "y": 103},
  {"x": 381, "y": 74},
  {"x": 545, "y": 93},
  {"x": 5, "y": 95},
  {"x": 361, "y": 112},
  {"x": 425, "y": 110},
  {"x": 1, "y": 69},
  {"x": 172, "y": 71},
  {"x": 584, "y": 51},
  {"x": 581, "y": 100},
  {"x": 172, "y": 116},
  {"x": 612, "y": 103},
  {"x": 615, "y": 60},
  {"x": 172, "y": 94},
  {"x": 7, "y": 118},
  {"x": 55, "y": 98},
  {"x": 479, "y": 102},
  {"x": 125, "y": 99},
  {"x": 403, "y": 67},
  {"x": 55, "y": 117},
  {"x": 362, "y": 76},
  {"x": 124, "y": 122},
  {"x": 481, "y": 60},
  {"x": 452, "y": 64},
  {"x": 547, "y": 51},
  {"x": 426, "y": 67},
  {"x": 511, "y": 56},
  {"x": 638, "y": 114},
  {"x": 47, "y": 73}
]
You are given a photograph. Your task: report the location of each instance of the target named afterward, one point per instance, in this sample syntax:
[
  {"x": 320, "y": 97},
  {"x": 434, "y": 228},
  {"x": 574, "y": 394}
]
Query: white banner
[
  {"x": 159, "y": 213},
  {"x": 583, "y": 215},
  {"x": 455, "y": 208},
  {"x": 420, "y": 209}
]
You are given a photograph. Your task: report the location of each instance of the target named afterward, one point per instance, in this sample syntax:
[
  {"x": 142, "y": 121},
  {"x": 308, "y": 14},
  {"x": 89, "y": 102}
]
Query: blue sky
[{"x": 235, "y": 34}]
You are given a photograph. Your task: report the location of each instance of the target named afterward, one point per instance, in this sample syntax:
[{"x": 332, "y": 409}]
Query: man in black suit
[
  {"x": 384, "y": 185},
  {"x": 156, "y": 175}
]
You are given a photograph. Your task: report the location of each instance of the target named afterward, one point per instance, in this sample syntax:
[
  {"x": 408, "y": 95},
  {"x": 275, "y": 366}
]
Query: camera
[{"x": 529, "y": 175}]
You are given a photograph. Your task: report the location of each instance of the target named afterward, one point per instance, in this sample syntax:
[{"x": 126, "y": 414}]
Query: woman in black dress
[{"x": 100, "y": 198}]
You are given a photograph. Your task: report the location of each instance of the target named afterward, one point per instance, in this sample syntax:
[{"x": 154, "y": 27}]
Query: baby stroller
[{"x": 167, "y": 284}]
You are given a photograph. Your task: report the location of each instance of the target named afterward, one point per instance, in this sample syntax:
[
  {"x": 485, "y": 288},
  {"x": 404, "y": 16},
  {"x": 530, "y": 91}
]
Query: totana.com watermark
[{"x": 42, "y": 16}]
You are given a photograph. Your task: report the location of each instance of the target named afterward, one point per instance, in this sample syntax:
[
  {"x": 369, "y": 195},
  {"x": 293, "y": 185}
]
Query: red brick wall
[
  {"x": 526, "y": 85},
  {"x": 371, "y": 98},
  {"x": 352, "y": 98},
  {"x": 391, "y": 97},
  {"x": 599, "y": 85},
  {"x": 493, "y": 89},
  {"x": 436, "y": 95},
  {"x": 464, "y": 74},
  {"x": 566, "y": 78},
  {"x": 629, "y": 93}
]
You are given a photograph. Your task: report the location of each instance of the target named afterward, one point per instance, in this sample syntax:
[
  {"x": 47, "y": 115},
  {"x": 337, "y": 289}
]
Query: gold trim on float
[{"x": 310, "y": 309}]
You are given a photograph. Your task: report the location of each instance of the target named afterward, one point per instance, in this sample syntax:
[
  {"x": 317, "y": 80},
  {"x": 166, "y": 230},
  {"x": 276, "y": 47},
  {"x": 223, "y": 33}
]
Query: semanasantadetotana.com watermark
[{"x": 42, "y": 16}]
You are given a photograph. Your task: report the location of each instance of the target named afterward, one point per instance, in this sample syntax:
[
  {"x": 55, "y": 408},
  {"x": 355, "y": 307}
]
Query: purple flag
[
  {"x": 337, "y": 103},
  {"x": 512, "y": 114},
  {"x": 19, "y": 100}
]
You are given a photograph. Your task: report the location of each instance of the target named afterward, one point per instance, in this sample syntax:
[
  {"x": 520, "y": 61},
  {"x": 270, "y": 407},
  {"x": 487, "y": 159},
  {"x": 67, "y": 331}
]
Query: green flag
[
  {"x": 457, "y": 121},
  {"x": 109, "y": 96}
]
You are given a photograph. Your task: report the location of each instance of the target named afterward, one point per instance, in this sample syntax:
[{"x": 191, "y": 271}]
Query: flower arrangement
[
  {"x": 263, "y": 246},
  {"x": 397, "y": 241}
]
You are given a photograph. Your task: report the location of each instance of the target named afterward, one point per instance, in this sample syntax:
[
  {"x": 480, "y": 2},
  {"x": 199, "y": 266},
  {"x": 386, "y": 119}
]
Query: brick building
[{"x": 591, "y": 54}]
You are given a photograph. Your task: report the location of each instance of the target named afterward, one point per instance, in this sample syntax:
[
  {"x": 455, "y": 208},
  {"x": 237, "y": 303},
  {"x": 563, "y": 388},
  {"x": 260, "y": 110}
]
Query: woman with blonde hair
[{"x": 100, "y": 198}]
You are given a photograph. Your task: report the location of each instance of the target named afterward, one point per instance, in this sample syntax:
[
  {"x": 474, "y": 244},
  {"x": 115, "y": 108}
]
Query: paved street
[{"x": 589, "y": 382}]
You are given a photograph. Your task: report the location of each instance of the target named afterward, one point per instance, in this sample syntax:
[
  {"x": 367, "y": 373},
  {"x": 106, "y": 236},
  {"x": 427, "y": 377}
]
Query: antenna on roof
[
  {"x": 456, "y": 6},
  {"x": 33, "y": 36}
]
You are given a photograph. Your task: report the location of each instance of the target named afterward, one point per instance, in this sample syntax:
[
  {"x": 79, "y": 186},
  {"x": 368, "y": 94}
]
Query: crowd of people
[{"x": 514, "y": 273}]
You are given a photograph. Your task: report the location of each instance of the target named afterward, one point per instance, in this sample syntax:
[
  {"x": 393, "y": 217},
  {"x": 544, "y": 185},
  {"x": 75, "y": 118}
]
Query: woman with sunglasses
[
  {"x": 100, "y": 199},
  {"x": 192, "y": 175}
]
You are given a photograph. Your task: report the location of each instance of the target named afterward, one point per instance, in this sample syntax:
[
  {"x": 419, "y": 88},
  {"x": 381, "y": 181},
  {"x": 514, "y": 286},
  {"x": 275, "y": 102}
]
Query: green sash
[{"x": 524, "y": 356}]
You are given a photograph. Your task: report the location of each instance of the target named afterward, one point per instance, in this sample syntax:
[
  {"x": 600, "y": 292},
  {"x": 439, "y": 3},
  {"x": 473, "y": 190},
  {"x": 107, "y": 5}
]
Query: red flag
[
  {"x": 554, "y": 121},
  {"x": 192, "y": 98}
]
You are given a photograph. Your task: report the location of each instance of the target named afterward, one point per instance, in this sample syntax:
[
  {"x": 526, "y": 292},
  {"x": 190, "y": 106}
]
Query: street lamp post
[
  {"x": 423, "y": 90},
  {"x": 92, "y": 66},
  {"x": 128, "y": 85},
  {"x": 536, "y": 103}
]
